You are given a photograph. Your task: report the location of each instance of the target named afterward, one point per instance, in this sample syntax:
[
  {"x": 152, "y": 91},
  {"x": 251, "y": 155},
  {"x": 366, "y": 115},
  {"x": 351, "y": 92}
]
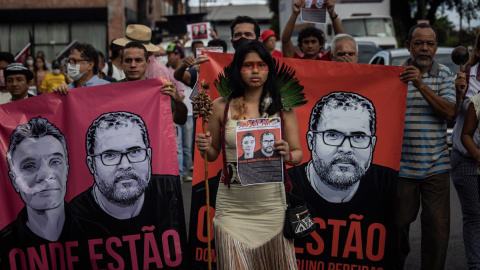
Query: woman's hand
[
  {"x": 283, "y": 149},
  {"x": 204, "y": 141}
]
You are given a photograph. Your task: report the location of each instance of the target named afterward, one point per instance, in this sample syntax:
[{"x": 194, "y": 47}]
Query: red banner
[
  {"x": 22, "y": 55},
  {"x": 346, "y": 235},
  {"x": 121, "y": 206}
]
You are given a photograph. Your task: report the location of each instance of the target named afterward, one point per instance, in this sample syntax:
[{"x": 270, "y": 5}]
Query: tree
[
  {"x": 275, "y": 20},
  {"x": 406, "y": 13}
]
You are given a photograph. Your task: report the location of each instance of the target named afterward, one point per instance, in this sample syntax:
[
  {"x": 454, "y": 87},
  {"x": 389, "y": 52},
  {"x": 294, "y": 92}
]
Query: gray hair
[
  {"x": 36, "y": 127},
  {"x": 114, "y": 120},
  {"x": 340, "y": 37},
  {"x": 343, "y": 100}
]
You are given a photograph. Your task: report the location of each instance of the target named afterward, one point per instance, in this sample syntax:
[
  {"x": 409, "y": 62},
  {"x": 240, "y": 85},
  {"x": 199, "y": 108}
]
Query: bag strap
[
  {"x": 225, "y": 174},
  {"x": 295, "y": 176}
]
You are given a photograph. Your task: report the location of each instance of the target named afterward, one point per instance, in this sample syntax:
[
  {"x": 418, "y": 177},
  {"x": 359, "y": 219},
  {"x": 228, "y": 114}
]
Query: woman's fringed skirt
[{"x": 248, "y": 228}]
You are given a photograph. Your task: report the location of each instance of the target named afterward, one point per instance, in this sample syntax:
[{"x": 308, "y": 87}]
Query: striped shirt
[{"x": 424, "y": 148}]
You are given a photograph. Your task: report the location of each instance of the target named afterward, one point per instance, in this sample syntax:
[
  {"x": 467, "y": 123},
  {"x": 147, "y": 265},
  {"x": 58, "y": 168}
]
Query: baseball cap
[
  {"x": 268, "y": 33},
  {"x": 175, "y": 48}
]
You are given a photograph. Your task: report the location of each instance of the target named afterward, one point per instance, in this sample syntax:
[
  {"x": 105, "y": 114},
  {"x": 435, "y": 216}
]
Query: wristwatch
[{"x": 334, "y": 17}]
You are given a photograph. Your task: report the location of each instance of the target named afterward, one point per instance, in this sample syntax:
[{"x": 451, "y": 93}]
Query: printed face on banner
[
  {"x": 342, "y": 143},
  {"x": 268, "y": 143},
  {"x": 39, "y": 172},
  {"x": 248, "y": 144},
  {"x": 121, "y": 164},
  {"x": 198, "y": 30}
]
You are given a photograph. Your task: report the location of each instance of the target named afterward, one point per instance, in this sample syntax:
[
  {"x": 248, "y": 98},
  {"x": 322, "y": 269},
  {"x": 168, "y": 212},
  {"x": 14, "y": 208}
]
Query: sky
[{"x": 453, "y": 16}]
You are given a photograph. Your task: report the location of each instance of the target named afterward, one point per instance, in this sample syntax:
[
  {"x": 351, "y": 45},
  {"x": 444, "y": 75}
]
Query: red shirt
[
  {"x": 323, "y": 57},
  {"x": 277, "y": 53}
]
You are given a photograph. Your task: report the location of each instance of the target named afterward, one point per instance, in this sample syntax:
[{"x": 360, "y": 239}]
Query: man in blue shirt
[{"x": 82, "y": 67}]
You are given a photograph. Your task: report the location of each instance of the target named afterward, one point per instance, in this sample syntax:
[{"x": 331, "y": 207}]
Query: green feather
[
  {"x": 290, "y": 88},
  {"x": 223, "y": 83}
]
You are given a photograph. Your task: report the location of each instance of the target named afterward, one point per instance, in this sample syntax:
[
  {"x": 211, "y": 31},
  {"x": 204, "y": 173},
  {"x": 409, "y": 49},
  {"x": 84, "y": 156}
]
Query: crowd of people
[{"x": 435, "y": 96}]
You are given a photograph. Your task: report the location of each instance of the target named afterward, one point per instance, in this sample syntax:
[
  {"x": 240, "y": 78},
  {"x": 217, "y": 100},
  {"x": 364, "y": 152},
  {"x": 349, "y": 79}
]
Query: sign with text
[
  {"x": 90, "y": 181},
  {"x": 351, "y": 133}
]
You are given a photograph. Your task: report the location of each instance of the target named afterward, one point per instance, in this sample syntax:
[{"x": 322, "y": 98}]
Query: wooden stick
[{"x": 207, "y": 190}]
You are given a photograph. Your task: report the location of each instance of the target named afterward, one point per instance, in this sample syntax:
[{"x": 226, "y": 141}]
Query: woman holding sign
[{"x": 249, "y": 219}]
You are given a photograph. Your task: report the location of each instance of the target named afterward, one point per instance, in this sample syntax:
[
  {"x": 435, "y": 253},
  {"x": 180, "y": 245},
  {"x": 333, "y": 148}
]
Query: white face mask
[
  {"x": 163, "y": 59},
  {"x": 30, "y": 62},
  {"x": 56, "y": 71},
  {"x": 73, "y": 71}
]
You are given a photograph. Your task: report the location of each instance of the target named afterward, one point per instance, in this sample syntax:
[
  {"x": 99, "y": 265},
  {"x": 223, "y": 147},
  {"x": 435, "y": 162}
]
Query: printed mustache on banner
[
  {"x": 349, "y": 159},
  {"x": 127, "y": 176}
]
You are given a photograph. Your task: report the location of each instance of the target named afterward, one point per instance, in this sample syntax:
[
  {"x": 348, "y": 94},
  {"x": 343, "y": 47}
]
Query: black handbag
[{"x": 298, "y": 220}]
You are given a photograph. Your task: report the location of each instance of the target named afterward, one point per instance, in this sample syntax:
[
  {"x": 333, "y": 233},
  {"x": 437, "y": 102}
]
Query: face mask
[
  {"x": 29, "y": 62},
  {"x": 237, "y": 43},
  {"x": 73, "y": 71},
  {"x": 163, "y": 59},
  {"x": 56, "y": 71},
  {"x": 2, "y": 79}
]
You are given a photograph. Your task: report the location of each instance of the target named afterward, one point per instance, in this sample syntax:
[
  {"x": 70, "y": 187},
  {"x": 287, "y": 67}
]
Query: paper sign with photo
[
  {"x": 313, "y": 11},
  {"x": 201, "y": 51},
  {"x": 199, "y": 30},
  {"x": 258, "y": 162}
]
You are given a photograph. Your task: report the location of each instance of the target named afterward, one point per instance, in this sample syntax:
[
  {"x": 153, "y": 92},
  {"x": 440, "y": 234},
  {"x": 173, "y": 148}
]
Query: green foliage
[
  {"x": 275, "y": 20},
  {"x": 406, "y": 13},
  {"x": 290, "y": 88}
]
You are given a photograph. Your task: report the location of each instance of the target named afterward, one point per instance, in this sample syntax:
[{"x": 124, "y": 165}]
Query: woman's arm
[
  {"x": 291, "y": 142},
  {"x": 210, "y": 142},
  {"x": 469, "y": 127}
]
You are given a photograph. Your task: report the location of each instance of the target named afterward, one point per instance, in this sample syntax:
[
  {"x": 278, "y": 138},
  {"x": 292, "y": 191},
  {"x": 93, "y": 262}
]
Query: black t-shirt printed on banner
[
  {"x": 358, "y": 232},
  {"x": 20, "y": 248},
  {"x": 154, "y": 239}
]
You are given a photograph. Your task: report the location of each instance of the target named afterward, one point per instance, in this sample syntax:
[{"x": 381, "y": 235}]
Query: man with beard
[
  {"x": 267, "y": 141},
  {"x": 129, "y": 201},
  {"x": 425, "y": 164},
  {"x": 341, "y": 185}
]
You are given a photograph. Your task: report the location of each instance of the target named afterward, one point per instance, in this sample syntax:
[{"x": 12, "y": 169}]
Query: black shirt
[
  {"x": 160, "y": 224},
  {"x": 357, "y": 232}
]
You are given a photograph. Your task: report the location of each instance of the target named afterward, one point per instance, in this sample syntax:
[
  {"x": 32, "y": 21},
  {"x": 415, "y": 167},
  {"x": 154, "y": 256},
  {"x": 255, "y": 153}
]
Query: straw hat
[{"x": 140, "y": 33}]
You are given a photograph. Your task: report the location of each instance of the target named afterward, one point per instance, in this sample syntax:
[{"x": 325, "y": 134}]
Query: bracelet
[
  {"x": 334, "y": 17},
  {"x": 290, "y": 160}
]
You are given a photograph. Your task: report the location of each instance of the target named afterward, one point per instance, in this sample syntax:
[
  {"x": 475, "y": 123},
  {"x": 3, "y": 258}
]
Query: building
[{"x": 50, "y": 25}]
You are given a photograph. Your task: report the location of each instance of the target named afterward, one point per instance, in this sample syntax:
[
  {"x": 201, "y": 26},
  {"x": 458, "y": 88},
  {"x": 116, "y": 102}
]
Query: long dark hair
[
  {"x": 35, "y": 64},
  {"x": 270, "y": 86}
]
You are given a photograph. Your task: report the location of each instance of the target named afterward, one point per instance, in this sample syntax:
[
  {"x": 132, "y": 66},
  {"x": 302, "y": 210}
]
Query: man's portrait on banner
[
  {"x": 37, "y": 158},
  {"x": 341, "y": 139},
  {"x": 267, "y": 143},
  {"x": 248, "y": 145},
  {"x": 339, "y": 183},
  {"x": 125, "y": 197},
  {"x": 199, "y": 31}
]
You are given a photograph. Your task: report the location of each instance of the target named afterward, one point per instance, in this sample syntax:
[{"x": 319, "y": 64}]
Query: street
[{"x": 455, "y": 255}]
